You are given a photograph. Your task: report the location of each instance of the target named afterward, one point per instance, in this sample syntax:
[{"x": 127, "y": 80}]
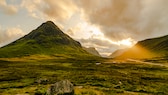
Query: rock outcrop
[{"x": 64, "y": 87}]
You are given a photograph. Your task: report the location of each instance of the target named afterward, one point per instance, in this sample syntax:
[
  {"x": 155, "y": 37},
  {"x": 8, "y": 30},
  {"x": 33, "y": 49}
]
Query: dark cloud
[
  {"x": 119, "y": 19},
  {"x": 116, "y": 18}
]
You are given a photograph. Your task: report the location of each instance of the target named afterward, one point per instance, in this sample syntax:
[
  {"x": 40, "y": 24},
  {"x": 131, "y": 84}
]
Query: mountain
[
  {"x": 92, "y": 50},
  {"x": 117, "y": 53},
  {"x": 47, "y": 39},
  {"x": 154, "y": 47}
]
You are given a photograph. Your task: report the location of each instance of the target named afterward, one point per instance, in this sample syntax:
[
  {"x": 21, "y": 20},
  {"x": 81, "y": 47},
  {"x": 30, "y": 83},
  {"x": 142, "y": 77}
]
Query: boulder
[{"x": 64, "y": 87}]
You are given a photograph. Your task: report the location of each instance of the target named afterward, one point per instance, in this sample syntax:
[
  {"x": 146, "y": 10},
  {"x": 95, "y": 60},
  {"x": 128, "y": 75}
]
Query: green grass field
[{"x": 20, "y": 76}]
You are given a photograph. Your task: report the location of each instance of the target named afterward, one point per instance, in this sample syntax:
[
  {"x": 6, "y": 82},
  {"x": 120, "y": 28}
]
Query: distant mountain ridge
[
  {"x": 47, "y": 39},
  {"x": 154, "y": 47},
  {"x": 92, "y": 50},
  {"x": 117, "y": 53}
]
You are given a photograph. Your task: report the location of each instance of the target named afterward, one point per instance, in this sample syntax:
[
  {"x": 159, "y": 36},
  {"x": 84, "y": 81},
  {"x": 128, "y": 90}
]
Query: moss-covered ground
[{"x": 21, "y": 76}]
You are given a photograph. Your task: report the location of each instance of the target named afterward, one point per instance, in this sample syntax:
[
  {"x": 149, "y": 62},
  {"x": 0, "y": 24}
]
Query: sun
[
  {"x": 126, "y": 42},
  {"x": 96, "y": 31}
]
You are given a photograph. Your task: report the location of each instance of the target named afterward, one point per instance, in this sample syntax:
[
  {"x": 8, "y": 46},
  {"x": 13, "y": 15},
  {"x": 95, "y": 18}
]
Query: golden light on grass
[{"x": 138, "y": 51}]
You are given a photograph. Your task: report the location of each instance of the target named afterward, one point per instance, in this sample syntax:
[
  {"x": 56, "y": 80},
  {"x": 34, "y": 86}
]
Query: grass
[
  {"x": 27, "y": 49},
  {"x": 21, "y": 76}
]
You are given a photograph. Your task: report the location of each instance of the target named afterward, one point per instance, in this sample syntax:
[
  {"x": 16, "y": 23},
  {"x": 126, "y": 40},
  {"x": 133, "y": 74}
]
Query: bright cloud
[
  {"x": 10, "y": 34},
  {"x": 126, "y": 42}
]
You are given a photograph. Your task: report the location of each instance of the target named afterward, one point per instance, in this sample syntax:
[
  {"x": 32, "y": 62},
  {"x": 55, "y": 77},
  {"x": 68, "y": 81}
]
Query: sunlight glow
[
  {"x": 96, "y": 30},
  {"x": 85, "y": 30},
  {"x": 127, "y": 42}
]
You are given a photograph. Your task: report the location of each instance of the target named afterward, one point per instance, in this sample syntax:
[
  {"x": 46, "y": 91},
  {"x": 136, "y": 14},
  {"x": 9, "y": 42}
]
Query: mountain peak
[
  {"x": 45, "y": 39},
  {"x": 48, "y": 32},
  {"x": 47, "y": 29},
  {"x": 49, "y": 23}
]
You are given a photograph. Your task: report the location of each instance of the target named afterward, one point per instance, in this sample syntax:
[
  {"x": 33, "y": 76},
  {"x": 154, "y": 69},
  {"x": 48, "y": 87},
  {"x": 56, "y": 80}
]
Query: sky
[{"x": 107, "y": 25}]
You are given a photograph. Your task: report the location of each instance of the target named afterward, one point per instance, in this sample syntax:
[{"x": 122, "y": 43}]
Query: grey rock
[{"x": 64, "y": 87}]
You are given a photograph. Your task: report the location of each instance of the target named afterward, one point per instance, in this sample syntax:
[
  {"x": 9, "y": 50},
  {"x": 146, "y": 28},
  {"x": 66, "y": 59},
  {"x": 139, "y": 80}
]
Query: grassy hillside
[
  {"x": 156, "y": 47},
  {"x": 46, "y": 39},
  {"x": 31, "y": 47}
]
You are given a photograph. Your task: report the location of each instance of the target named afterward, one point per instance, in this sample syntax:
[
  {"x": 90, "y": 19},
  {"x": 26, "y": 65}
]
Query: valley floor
[{"x": 110, "y": 77}]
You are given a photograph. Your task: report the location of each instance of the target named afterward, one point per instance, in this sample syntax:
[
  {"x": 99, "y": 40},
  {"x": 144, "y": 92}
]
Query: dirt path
[{"x": 138, "y": 61}]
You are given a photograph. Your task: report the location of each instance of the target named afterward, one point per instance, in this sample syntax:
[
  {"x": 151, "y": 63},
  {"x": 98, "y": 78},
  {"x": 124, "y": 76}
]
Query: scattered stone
[
  {"x": 64, "y": 87},
  {"x": 80, "y": 87},
  {"x": 120, "y": 82},
  {"x": 42, "y": 81},
  {"x": 98, "y": 63}
]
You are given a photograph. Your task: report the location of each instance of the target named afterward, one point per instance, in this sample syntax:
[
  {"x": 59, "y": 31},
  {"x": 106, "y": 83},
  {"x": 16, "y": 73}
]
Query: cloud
[
  {"x": 103, "y": 46},
  {"x": 7, "y": 8},
  {"x": 114, "y": 17},
  {"x": 59, "y": 10},
  {"x": 120, "y": 19},
  {"x": 153, "y": 18},
  {"x": 33, "y": 7},
  {"x": 10, "y": 34}
]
